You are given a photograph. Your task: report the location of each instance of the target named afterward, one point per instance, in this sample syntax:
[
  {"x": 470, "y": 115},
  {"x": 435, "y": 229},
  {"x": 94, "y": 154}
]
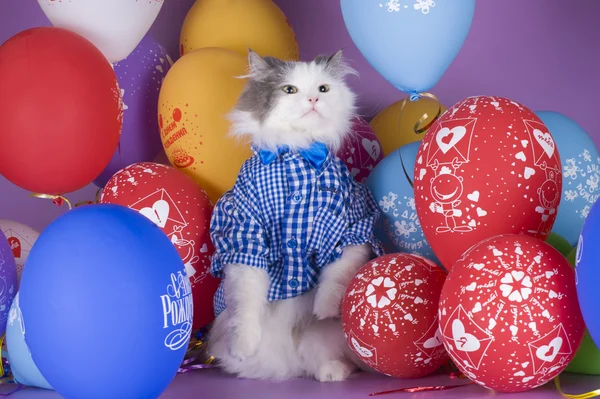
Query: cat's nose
[{"x": 313, "y": 100}]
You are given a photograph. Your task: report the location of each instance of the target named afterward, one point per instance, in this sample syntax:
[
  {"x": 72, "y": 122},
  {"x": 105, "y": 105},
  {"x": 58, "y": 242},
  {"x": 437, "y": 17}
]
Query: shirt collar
[{"x": 316, "y": 154}]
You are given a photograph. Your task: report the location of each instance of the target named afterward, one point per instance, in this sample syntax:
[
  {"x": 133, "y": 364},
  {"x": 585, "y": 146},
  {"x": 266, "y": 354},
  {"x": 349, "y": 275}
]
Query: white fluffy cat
[{"x": 292, "y": 104}]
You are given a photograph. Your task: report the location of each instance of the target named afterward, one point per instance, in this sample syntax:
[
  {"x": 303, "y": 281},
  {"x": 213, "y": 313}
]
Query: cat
[{"x": 270, "y": 325}]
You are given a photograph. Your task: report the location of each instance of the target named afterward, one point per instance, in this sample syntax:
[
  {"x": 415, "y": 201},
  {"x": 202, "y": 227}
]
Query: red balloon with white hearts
[
  {"x": 509, "y": 314},
  {"x": 361, "y": 151},
  {"x": 487, "y": 166},
  {"x": 389, "y": 315},
  {"x": 182, "y": 209}
]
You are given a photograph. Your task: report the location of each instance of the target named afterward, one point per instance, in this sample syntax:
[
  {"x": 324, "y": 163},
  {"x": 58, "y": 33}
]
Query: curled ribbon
[
  {"x": 58, "y": 200},
  {"x": 418, "y": 128},
  {"x": 427, "y": 388},
  {"x": 95, "y": 201},
  {"x": 587, "y": 395},
  {"x": 194, "y": 357}
]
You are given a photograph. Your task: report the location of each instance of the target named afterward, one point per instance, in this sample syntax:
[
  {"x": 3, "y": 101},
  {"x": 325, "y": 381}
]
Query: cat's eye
[
  {"x": 289, "y": 89},
  {"x": 323, "y": 88}
]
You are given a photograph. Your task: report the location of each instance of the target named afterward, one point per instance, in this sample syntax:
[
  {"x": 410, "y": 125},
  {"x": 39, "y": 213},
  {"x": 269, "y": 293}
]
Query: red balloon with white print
[
  {"x": 487, "y": 166},
  {"x": 509, "y": 313},
  {"x": 361, "y": 151},
  {"x": 390, "y": 318},
  {"x": 182, "y": 209}
]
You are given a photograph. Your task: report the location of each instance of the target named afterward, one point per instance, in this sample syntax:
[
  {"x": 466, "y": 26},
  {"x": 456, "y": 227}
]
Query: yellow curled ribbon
[
  {"x": 587, "y": 395},
  {"x": 418, "y": 128},
  {"x": 57, "y": 199},
  {"x": 1, "y": 365}
]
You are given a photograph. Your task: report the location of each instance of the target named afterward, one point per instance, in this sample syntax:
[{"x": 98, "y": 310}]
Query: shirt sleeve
[
  {"x": 363, "y": 214},
  {"x": 237, "y": 229}
]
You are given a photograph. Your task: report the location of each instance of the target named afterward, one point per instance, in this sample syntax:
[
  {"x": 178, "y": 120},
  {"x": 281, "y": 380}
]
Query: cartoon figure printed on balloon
[
  {"x": 446, "y": 154},
  {"x": 190, "y": 259},
  {"x": 447, "y": 189},
  {"x": 543, "y": 150}
]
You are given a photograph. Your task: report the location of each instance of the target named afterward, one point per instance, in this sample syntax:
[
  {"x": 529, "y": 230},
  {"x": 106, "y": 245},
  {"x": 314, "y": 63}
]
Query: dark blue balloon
[
  {"x": 587, "y": 272},
  {"x": 106, "y": 305}
]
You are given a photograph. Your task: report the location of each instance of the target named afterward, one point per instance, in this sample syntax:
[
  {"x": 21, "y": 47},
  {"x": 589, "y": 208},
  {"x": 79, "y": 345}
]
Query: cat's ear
[
  {"x": 337, "y": 64},
  {"x": 256, "y": 62}
]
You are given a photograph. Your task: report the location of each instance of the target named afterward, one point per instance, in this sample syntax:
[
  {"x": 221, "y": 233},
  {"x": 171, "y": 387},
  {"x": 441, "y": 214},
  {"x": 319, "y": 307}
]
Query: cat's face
[{"x": 295, "y": 103}]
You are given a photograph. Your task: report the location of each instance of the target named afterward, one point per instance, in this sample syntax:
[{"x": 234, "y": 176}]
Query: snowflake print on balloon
[{"x": 419, "y": 5}]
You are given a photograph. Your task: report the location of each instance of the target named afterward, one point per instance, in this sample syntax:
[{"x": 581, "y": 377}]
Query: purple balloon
[
  {"x": 140, "y": 76},
  {"x": 8, "y": 280}
]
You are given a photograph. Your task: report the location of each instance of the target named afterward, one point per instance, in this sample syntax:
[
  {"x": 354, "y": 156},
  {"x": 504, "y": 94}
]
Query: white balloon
[
  {"x": 21, "y": 239},
  {"x": 116, "y": 27}
]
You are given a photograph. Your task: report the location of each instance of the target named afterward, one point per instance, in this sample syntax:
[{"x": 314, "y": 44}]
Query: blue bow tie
[{"x": 316, "y": 154}]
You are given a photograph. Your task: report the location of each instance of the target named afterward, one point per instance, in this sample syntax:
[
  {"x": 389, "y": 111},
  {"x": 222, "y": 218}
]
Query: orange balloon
[
  {"x": 200, "y": 89},
  {"x": 238, "y": 25}
]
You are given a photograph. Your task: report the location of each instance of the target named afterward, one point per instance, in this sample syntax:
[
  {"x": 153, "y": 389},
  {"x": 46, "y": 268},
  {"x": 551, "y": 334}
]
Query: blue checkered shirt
[{"x": 291, "y": 219}]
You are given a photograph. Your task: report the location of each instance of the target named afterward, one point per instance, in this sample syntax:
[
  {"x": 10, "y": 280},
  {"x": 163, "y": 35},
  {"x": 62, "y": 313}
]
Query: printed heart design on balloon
[
  {"x": 546, "y": 141},
  {"x": 547, "y": 353},
  {"x": 381, "y": 292},
  {"x": 159, "y": 213},
  {"x": 464, "y": 341},
  {"x": 446, "y": 139},
  {"x": 372, "y": 147},
  {"x": 434, "y": 341}
]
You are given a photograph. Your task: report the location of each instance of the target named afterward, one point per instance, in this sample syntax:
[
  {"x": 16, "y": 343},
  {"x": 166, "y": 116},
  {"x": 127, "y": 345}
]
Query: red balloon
[
  {"x": 509, "y": 313},
  {"x": 176, "y": 204},
  {"x": 61, "y": 111},
  {"x": 488, "y": 166},
  {"x": 389, "y": 315},
  {"x": 361, "y": 151}
]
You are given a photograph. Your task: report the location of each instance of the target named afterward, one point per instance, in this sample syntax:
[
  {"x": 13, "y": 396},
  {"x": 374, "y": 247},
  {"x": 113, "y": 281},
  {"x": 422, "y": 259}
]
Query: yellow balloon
[
  {"x": 395, "y": 129},
  {"x": 238, "y": 25},
  {"x": 200, "y": 89}
]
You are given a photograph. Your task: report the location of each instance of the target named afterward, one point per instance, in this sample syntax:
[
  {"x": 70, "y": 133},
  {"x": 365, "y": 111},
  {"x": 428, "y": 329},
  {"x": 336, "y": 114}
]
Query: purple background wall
[{"x": 542, "y": 53}]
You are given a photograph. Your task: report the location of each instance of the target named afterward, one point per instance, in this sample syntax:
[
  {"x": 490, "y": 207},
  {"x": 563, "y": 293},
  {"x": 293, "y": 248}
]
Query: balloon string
[
  {"x": 57, "y": 199},
  {"x": 194, "y": 359},
  {"x": 587, "y": 395}
]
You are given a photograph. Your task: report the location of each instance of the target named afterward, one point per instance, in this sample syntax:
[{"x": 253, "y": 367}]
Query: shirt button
[
  {"x": 292, "y": 243},
  {"x": 293, "y": 283},
  {"x": 296, "y": 198}
]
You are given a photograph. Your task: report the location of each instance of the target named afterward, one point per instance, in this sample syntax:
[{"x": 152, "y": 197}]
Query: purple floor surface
[{"x": 212, "y": 384}]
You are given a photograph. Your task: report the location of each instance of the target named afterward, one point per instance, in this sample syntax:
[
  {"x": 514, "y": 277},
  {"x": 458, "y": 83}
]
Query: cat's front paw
[
  {"x": 328, "y": 302},
  {"x": 334, "y": 370},
  {"x": 245, "y": 341}
]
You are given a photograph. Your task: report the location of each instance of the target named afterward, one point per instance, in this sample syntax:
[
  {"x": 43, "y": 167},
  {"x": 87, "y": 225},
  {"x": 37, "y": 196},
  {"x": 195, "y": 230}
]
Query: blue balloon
[
  {"x": 22, "y": 366},
  {"x": 411, "y": 43},
  {"x": 390, "y": 183},
  {"x": 106, "y": 305},
  {"x": 581, "y": 173},
  {"x": 587, "y": 272}
]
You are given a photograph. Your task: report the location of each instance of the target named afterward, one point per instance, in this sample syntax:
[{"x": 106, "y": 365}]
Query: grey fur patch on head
[{"x": 267, "y": 76}]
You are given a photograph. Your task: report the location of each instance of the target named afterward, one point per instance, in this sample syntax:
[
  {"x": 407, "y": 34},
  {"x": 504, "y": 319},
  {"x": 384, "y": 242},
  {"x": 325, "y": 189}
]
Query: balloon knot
[{"x": 414, "y": 96}]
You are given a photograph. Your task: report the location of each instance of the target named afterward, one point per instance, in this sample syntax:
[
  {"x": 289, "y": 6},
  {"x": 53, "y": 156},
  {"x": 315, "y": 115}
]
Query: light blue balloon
[
  {"x": 390, "y": 183},
  {"x": 581, "y": 173},
  {"x": 411, "y": 43},
  {"x": 22, "y": 366}
]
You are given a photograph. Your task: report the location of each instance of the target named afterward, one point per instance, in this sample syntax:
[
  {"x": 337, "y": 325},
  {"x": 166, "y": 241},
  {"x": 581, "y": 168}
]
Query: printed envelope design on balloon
[
  {"x": 445, "y": 156},
  {"x": 546, "y": 350},
  {"x": 161, "y": 209},
  {"x": 465, "y": 339}
]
